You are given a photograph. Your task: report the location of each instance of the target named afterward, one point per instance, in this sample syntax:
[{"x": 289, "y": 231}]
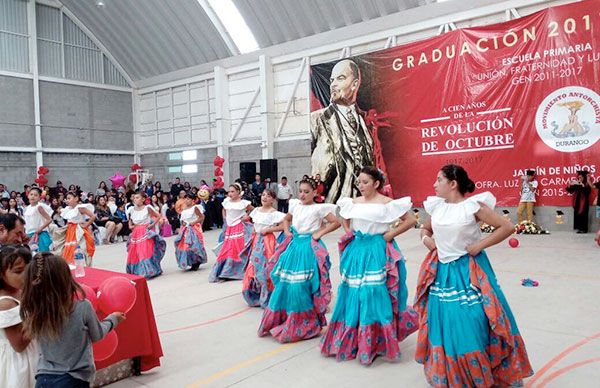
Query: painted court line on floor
[
  {"x": 559, "y": 357},
  {"x": 243, "y": 364},
  {"x": 276, "y": 364},
  {"x": 566, "y": 369},
  {"x": 207, "y": 322}
]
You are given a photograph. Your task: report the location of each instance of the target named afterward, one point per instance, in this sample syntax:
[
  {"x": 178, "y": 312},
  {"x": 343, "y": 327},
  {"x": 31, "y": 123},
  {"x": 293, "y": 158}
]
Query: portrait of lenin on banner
[{"x": 341, "y": 142}]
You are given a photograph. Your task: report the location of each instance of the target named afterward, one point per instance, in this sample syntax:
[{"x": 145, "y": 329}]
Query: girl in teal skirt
[
  {"x": 371, "y": 316},
  {"x": 468, "y": 336},
  {"x": 300, "y": 270}
]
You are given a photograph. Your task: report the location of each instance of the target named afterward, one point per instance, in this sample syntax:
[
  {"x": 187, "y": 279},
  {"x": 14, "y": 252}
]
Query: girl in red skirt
[
  {"x": 145, "y": 248},
  {"x": 267, "y": 221},
  {"x": 229, "y": 265},
  {"x": 189, "y": 243}
]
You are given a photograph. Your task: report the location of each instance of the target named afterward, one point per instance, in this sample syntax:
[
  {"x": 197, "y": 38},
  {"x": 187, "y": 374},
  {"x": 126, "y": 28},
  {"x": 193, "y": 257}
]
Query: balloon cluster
[
  {"x": 132, "y": 175},
  {"x": 114, "y": 294},
  {"x": 41, "y": 180},
  {"x": 218, "y": 163},
  {"x": 118, "y": 180}
]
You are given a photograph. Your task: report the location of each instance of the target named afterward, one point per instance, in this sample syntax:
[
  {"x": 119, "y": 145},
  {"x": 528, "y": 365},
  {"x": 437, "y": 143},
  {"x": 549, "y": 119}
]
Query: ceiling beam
[{"x": 214, "y": 18}]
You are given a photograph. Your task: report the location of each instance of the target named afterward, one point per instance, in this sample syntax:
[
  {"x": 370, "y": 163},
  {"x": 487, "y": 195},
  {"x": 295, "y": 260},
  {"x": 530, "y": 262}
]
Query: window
[
  {"x": 189, "y": 168},
  {"x": 190, "y": 155},
  {"x": 175, "y": 169},
  {"x": 14, "y": 36},
  {"x": 175, "y": 155},
  {"x": 235, "y": 25}
]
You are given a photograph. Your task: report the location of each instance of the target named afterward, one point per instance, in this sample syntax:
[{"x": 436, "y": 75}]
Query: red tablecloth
[{"x": 138, "y": 335}]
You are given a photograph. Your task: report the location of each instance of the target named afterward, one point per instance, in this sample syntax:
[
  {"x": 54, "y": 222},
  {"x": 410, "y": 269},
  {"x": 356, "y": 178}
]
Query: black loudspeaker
[
  {"x": 268, "y": 169},
  {"x": 247, "y": 171}
]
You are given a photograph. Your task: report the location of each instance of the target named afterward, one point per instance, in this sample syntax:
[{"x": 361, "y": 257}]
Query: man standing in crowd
[
  {"x": 284, "y": 193},
  {"x": 59, "y": 189},
  {"x": 257, "y": 188},
  {"x": 528, "y": 190},
  {"x": 341, "y": 142},
  {"x": 3, "y": 192},
  {"x": 12, "y": 230},
  {"x": 176, "y": 188}
]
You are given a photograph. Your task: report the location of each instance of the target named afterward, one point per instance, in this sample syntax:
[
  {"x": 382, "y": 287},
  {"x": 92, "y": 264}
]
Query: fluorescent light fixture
[
  {"x": 190, "y": 155},
  {"x": 189, "y": 168},
  {"x": 235, "y": 25}
]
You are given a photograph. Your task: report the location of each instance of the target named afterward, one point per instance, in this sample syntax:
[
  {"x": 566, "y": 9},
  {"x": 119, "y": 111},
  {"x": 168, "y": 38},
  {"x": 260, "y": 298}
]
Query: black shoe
[{"x": 195, "y": 267}]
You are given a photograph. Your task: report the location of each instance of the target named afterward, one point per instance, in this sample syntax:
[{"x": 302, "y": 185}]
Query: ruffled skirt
[
  {"x": 370, "y": 315},
  {"x": 257, "y": 285},
  {"x": 189, "y": 247},
  {"x": 67, "y": 238},
  {"x": 302, "y": 290},
  {"x": 229, "y": 265},
  {"x": 145, "y": 250},
  {"x": 44, "y": 241}
]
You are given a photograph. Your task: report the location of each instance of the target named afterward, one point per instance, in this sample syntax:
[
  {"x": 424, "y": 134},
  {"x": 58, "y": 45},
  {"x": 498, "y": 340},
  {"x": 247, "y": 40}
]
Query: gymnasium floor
[{"x": 209, "y": 337}]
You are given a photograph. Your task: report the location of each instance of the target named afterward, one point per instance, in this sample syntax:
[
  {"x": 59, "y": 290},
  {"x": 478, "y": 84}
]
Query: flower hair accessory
[
  {"x": 311, "y": 181},
  {"x": 383, "y": 177}
]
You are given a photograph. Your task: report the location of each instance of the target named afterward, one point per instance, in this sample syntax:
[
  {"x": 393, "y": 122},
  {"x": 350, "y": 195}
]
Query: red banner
[{"x": 497, "y": 99}]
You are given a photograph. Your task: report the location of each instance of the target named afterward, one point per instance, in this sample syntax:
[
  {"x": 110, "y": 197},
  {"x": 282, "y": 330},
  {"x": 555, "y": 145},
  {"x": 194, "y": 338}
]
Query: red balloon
[
  {"x": 89, "y": 294},
  {"x": 133, "y": 178},
  {"x": 513, "y": 242},
  {"x": 218, "y": 161},
  {"x": 43, "y": 170},
  {"x": 218, "y": 171},
  {"x": 41, "y": 180},
  {"x": 106, "y": 347},
  {"x": 136, "y": 167},
  {"x": 116, "y": 294}
]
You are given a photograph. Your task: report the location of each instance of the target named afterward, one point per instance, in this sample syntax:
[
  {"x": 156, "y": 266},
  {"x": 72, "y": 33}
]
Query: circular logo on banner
[{"x": 568, "y": 120}]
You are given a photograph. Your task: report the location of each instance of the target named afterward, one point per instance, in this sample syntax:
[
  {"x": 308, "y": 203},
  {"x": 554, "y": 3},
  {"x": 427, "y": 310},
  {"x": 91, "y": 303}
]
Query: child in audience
[
  {"x": 64, "y": 324},
  {"x": 18, "y": 354}
]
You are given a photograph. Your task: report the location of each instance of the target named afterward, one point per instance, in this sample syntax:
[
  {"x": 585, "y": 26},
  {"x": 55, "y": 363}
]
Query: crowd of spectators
[{"x": 111, "y": 203}]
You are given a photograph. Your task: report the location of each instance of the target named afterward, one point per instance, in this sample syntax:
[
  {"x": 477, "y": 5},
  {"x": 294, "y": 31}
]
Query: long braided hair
[{"x": 48, "y": 296}]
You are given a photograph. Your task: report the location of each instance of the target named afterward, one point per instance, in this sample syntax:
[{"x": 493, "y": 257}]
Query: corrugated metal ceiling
[
  {"x": 278, "y": 21},
  {"x": 153, "y": 37}
]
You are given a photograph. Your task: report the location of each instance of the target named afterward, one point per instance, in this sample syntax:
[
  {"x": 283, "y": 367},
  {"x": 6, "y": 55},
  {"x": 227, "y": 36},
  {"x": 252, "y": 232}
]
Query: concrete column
[
  {"x": 33, "y": 64},
  {"x": 135, "y": 106},
  {"x": 222, "y": 118},
  {"x": 267, "y": 107}
]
